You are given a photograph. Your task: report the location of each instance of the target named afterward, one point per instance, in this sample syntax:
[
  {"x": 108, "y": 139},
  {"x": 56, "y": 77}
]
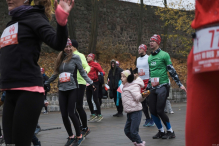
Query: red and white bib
[{"x": 64, "y": 77}]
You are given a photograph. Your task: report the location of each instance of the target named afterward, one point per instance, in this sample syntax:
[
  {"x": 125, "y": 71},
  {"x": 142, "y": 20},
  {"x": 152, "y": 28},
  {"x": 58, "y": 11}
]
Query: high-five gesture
[{"x": 66, "y": 5}]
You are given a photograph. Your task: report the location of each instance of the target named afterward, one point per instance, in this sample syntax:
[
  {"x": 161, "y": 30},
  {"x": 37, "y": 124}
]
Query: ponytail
[{"x": 48, "y": 7}]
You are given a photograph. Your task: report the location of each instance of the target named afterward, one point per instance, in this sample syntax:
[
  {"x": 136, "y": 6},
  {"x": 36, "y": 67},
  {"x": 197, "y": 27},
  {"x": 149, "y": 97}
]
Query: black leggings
[
  {"x": 120, "y": 107},
  {"x": 20, "y": 116},
  {"x": 89, "y": 92},
  {"x": 157, "y": 101},
  {"x": 80, "y": 110},
  {"x": 145, "y": 108},
  {"x": 67, "y": 103}
]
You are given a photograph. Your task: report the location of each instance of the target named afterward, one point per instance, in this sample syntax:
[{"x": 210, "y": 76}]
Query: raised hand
[{"x": 66, "y": 5}]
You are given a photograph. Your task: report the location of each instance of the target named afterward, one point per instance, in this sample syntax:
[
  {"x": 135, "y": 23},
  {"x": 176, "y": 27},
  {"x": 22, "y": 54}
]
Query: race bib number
[
  {"x": 141, "y": 72},
  {"x": 64, "y": 77},
  {"x": 206, "y": 50},
  {"x": 154, "y": 81},
  {"x": 9, "y": 36}
]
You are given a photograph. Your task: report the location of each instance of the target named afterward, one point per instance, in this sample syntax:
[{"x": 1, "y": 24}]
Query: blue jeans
[{"x": 132, "y": 126}]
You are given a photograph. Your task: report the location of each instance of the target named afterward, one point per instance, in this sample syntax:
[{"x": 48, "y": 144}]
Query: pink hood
[{"x": 131, "y": 96}]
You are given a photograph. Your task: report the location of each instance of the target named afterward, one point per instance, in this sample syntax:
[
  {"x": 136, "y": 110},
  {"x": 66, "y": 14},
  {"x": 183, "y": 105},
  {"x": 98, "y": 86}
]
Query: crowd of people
[{"x": 146, "y": 88}]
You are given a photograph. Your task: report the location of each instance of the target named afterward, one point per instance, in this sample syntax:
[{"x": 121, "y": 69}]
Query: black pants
[
  {"x": 89, "y": 92},
  {"x": 44, "y": 104},
  {"x": 20, "y": 116},
  {"x": 80, "y": 110},
  {"x": 145, "y": 108},
  {"x": 132, "y": 126},
  {"x": 100, "y": 94},
  {"x": 67, "y": 103},
  {"x": 157, "y": 101},
  {"x": 120, "y": 107}
]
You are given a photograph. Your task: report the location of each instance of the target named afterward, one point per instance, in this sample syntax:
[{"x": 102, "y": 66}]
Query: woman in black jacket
[{"x": 20, "y": 74}]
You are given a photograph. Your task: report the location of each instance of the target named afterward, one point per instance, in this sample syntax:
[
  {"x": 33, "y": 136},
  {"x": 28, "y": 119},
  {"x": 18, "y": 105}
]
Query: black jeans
[
  {"x": 20, "y": 116},
  {"x": 80, "y": 110},
  {"x": 157, "y": 101},
  {"x": 89, "y": 92},
  {"x": 67, "y": 103},
  {"x": 132, "y": 126},
  {"x": 120, "y": 107}
]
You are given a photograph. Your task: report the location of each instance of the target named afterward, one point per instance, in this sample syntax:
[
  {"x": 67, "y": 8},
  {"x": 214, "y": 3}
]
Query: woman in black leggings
[
  {"x": 66, "y": 68},
  {"x": 20, "y": 73}
]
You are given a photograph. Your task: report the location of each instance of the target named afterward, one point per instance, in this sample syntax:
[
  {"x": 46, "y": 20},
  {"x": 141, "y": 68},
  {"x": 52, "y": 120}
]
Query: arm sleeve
[
  {"x": 56, "y": 40},
  {"x": 51, "y": 79},
  {"x": 85, "y": 64},
  {"x": 81, "y": 70},
  {"x": 173, "y": 74}
]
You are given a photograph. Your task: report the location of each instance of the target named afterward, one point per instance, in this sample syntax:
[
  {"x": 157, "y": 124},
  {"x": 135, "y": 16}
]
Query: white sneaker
[{"x": 171, "y": 112}]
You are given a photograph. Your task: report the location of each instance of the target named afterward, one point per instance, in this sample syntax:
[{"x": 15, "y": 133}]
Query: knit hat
[
  {"x": 143, "y": 46},
  {"x": 126, "y": 73},
  {"x": 156, "y": 38},
  {"x": 42, "y": 70},
  {"x": 91, "y": 55},
  {"x": 74, "y": 43},
  {"x": 117, "y": 63},
  {"x": 68, "y": 42}
]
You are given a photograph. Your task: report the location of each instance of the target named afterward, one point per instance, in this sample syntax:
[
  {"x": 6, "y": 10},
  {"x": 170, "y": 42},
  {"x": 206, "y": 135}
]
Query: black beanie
[{"x": 74, "y": 43}]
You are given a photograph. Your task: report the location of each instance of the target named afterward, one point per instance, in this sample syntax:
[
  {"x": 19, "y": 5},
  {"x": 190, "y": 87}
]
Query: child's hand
[{"x": 145, "y": 93}]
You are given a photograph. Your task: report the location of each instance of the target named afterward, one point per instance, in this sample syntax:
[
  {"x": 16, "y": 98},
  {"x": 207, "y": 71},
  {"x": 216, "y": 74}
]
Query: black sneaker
[
  {"x": 119, "y": 114},
  {"x": 169, "y": 135},
  {"x": 70, "y": 141},
  {"x": 159, "y": 135},
  {"x": 78, "y": 141},
  {"x": 115, "y": 115},
  {"x": 85, "y": 132}
]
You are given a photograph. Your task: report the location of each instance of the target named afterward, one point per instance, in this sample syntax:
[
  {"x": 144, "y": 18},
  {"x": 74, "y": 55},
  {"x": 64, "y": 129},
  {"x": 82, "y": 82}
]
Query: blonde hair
[
  {"x": 61, "y": 58},
  {"x": 48, "y": 7}
]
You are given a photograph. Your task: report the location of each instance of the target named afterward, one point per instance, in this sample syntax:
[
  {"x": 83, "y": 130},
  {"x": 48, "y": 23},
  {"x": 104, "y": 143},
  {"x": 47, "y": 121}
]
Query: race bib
[
  {"x": 9, "y": 36},
  {"x": 206, "y": 50},
  {"x": 154, "y": 81},
  {"x": 141, "y": 72},
  {"x": 64, "y": 77}
]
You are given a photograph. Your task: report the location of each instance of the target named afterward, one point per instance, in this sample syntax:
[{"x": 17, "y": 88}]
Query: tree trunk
[
  {"x": 165, "y": 32},
  {"x": 139, "y": 28},
  {"x": 94, "y": 27},
  {"x": 71, "y": 24}
]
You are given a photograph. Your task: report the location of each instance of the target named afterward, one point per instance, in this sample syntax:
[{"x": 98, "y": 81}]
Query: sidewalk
[{"x": 109, "y": 132}]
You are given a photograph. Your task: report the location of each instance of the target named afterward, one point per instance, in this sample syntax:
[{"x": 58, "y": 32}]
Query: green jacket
[{"x": 85, "y": 66}]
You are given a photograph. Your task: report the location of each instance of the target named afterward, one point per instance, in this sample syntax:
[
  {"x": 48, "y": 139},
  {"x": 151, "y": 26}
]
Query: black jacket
[
  {"x": 114, "y": 80},
  {"x": 19, "y": 67}
]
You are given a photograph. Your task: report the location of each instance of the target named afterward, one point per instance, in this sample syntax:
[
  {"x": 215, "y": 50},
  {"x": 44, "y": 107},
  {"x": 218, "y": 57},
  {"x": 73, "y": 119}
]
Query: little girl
[{"x": 131, "y": 100}]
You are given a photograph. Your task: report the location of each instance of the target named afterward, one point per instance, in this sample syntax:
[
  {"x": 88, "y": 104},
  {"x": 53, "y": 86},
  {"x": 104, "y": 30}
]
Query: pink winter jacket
[{"x": 131, "y": 96}]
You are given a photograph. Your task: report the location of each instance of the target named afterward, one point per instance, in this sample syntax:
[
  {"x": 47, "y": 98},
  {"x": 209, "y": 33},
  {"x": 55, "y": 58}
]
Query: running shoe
[
  {"x": 115, "y": 115},
  {"x": 99, "y": 118},
  {"x": 70, "y": 141},
  {"x": 151, "y": 123},
  {"x": 159, "y": 135},
  {"x": 119, "y": 115},
  {"x": 45, "y": 112},
  {"x": 85, "y": 132},
  {"x": 146, "y": 122},
  {"x": 92, "y": 117},
  {"x": 38, "y": 129},
  {"x": 78, "y": 141},
  {"x": 169, "y": 135},
  {"x": 171, "y": 112},
  {"x": 39, "y": 144}
]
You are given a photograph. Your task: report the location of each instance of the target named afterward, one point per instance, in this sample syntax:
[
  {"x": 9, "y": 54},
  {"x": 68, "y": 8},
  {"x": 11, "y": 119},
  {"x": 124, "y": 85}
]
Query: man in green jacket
[{"x": 81, "y": 89}]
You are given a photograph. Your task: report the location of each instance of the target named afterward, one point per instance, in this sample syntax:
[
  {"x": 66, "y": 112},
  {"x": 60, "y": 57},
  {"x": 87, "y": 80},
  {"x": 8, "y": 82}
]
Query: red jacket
[{"x": 94, "y": 69}]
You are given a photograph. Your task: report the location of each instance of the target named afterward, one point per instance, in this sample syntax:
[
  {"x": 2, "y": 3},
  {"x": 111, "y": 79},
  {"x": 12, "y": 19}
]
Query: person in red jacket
[
  {"x": 93, "y": 75},
  {"x": 203, "y": 79}
]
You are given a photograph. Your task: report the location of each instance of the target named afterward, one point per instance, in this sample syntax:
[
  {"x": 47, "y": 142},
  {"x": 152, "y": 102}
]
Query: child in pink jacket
[{"x": 131, "y": 100}]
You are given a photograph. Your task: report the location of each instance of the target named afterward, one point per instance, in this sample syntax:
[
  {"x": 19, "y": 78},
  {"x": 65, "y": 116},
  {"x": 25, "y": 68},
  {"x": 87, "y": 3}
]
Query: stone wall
[{"x": 117, "y": 24}]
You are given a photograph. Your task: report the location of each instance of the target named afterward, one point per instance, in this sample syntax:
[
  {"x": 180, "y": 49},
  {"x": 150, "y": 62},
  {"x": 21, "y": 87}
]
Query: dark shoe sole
[
  {"x": 86, "y": 134},
  {"x": 169, "y": 137},
  {"x": 156, "y": 137}
]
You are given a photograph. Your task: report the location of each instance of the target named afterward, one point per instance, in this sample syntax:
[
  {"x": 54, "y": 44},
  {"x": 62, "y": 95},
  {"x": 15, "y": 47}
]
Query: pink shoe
[
  {"x": 135, "y": 144},
  {"x": 141, "y": 144}
]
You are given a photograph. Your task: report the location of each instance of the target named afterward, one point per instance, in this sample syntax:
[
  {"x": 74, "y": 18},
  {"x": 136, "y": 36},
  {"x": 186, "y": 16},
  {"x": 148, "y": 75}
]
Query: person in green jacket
[{"x": 82, "y": 85}]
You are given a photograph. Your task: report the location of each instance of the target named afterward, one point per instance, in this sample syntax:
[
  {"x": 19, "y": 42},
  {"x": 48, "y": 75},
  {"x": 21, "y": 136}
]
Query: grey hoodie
[{"x": 71, "y": 67}]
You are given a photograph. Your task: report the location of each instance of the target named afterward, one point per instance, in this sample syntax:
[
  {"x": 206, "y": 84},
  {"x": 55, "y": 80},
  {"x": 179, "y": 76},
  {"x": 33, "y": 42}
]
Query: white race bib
[
  {"x": 9, "y": 36},
  {"x": 141, "y": 72},
  {"x": 154, "y": 81},
  {"x": 206, "y": 50},
  {"x": 64, "y": 77}
]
